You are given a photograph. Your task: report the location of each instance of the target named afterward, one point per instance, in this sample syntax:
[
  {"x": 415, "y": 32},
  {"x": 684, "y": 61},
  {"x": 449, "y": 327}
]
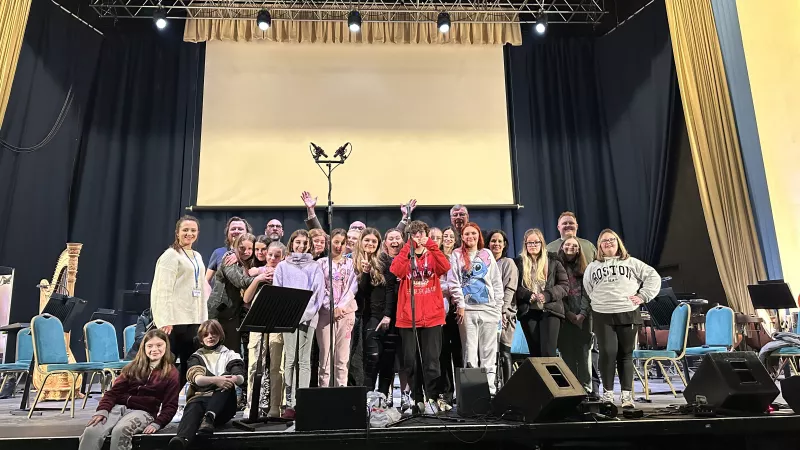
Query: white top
[
  {"x": 172, "y": 301},
  {"x": 609, "y": 283},
  {"x": 479, "y": 289}
]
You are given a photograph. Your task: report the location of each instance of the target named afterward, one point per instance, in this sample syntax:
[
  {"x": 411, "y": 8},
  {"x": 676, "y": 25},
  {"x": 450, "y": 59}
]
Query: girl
[
  {"x": 436, "y": 236},
  {"x": 259, "y": 255},
  {"x": 451, "y": 357},
  {"x": 391, "y": 351},
  {"x": 319, "y": 243},
  {"x": 498, "y": 245},
  {"x": 235, "y": 227},
  {"x": 214, "y": 373},
  {"x": 448, "y": 241},
  {"x": 617, "y": 284},
  {"x": 179, "y": 292},
  {"x": 148, "y": 383},
  {"x": 272, "y": 388},
  {"x": 300, "y": 271},
  {"x": 575, "y": 335},
  {"x": 476, "y": 287},
  {"x": 226, "y": 303},
  {"x": 542, "y": 285},
  {"x": 345, "y": 284}
]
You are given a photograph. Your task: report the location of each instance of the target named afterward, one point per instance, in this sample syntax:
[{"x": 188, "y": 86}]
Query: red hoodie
[
  {"x": 146, "y": 395},
  {"x": 427, "y": 291}
]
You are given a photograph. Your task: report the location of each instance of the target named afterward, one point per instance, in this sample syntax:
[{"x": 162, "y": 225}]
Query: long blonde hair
[
  {"x": 527, "y": 262},
  {"x": 139, "y": 368},
  {"x": 375, "y": 263}
]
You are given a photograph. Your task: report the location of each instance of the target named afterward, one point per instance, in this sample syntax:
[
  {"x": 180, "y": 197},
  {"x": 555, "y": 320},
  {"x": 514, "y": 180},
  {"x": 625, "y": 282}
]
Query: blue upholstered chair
[
  {"x": 676, "y": 348},
  {"x": 50, "y": 354},
  {"x": 128, "y": 338},
  {"x": 720, "y": 334},
  {"x": 24, "y": 355},
  {"x": 101, "y": 347},
  {"x": 787, "y": 355}
]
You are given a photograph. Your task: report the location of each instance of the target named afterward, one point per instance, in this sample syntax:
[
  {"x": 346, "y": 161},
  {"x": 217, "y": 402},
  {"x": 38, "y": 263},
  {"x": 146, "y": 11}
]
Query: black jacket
[
  {"x": 555, "y": 289},
  {"x": 378, "y": 301}
]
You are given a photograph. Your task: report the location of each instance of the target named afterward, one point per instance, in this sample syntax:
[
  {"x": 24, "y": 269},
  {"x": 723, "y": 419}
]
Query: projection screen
[{"x": 425, "y": 121}]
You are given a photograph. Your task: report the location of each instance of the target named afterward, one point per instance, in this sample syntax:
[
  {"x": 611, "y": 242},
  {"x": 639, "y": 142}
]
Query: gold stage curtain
[
  {"x": 715, "y": 149},
  {"x": 201, "y": 30},
  {"x": 13, "y": 18}
]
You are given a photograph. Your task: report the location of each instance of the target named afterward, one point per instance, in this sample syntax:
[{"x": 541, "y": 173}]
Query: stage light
[
  {"x": 354, "y": 21},
  {"x": 160, "y": 18},
  {"x": 264, "y": 20},
  {"x": 443, "y": 22},
  {"x": 541, "y": 23}
]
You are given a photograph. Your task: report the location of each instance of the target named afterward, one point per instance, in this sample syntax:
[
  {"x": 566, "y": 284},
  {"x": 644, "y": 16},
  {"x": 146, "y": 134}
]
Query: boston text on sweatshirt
[{"x": 609, "y": 283}]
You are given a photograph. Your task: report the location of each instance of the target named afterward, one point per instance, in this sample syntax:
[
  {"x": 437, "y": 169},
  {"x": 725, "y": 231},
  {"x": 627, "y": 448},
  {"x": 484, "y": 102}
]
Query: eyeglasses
[
  {"x": 275, "y": 226},
  {"x": 533, "y": 243},
  {"x": 608, "y": 241},
  {"x": 458, "y": 214}
]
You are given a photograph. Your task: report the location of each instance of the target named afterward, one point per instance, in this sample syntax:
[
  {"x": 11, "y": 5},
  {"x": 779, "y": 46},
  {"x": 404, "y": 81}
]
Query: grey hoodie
[
  {"x": 300, "y": 271},
  {"x": 609, "y": 283}
]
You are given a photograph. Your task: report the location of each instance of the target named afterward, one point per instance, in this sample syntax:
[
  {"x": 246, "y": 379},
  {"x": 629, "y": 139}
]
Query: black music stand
[
  {"x": 275, "y": 309},
  {"x": 65, "y": 308},
  {"x": 771, "y": 295}
]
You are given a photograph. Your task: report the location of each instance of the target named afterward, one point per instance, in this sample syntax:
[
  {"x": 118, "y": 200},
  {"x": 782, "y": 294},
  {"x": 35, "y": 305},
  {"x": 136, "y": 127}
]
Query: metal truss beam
[{"x": 472, "y": 11}]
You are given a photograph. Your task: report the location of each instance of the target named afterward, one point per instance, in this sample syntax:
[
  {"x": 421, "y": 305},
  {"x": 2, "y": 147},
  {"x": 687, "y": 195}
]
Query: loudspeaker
[
  {"x": 542, "y": 389},
  {"x": 732, "y": 380},
  {"x": 790, "y": 389},
  {"x": 331, "y": 408},
  {"x": 472, "y": 392}
]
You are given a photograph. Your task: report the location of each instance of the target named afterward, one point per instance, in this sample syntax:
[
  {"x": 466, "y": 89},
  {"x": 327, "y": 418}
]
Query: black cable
[{"x": 62, "y": 115}]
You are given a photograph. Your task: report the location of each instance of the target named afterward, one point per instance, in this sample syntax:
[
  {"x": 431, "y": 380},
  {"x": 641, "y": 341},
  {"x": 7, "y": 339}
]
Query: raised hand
[
  {"x": 404, "y": 208},
  {"x": 308, "y": 200}
]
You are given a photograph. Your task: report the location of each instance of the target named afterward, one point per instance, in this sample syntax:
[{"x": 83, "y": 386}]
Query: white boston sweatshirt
[{"x": 609, "y": 283}]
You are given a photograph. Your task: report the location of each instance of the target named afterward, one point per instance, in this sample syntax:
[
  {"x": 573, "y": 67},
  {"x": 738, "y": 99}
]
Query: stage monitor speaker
[
  {"x": 472, "y": 392},
  {"x": 331, "y": 408},
  {"x": 735, "y": 381},
  {"x": 790, "y": 390},
  {"x": 542, "y": 389}
]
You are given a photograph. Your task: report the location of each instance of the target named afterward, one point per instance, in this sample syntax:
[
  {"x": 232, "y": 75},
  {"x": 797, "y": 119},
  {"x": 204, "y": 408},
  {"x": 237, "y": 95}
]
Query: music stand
[
  {"x": 65, "y": 308},
  {"x": 274, "y": 309},
  {"x": 771, "y": 295}
]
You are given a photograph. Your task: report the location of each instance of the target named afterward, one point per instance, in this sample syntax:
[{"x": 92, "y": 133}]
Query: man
[
  {"x": 568, "y": 227},
  {"x": 274, "y": 230},
  {"x": 459, "y": 216}
]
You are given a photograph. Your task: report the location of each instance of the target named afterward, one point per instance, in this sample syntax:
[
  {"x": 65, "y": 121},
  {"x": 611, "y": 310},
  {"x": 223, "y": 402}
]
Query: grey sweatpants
[
  {"x": 122, "y": 423},
  {"x": 306, "y": 334},
  {"x": 479, "y": 340}
]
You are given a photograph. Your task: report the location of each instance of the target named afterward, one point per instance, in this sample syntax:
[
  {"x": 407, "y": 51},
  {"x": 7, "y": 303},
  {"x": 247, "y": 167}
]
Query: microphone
[
  {"x": 318, "y": 151},
  {"x": 340, "y": 151}
]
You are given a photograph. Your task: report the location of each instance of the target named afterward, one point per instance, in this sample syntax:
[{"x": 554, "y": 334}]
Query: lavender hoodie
[{"x": 300, "y": 271}]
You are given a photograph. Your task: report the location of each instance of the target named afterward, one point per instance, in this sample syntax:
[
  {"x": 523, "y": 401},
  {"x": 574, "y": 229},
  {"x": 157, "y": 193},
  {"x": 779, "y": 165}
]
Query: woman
[
  {"x": 226, "y": 303},
  {"x": 147, "y": 384},
  {"x": 272, "y": 387},
  {"x": 575, "y": 335},
  {"x": 319, "y": 242},
  {"x": 377, "y": 289},
  {"x": 541, "y": 288},
  {"x": 451, "y": 358},
  {"x": 498, "y": 245},
  {"x": 179, "y": 292},
  {"x": 345, "y": 283},
  {"x": 617, "y": 284},
  {"x": 214, "y": 373},
  {"x": 300, "y": 271},
  {"x": 235, "y": 227},
  {"x": 476, "y": 288}
]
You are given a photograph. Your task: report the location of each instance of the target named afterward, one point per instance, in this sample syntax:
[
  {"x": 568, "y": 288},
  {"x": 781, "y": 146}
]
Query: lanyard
[{"x": 196, "y": 266}]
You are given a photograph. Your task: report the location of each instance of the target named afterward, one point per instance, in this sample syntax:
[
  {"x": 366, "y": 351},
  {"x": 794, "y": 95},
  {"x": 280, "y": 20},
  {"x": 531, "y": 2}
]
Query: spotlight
[
  {"x": 160, "y": 18},
  {"x": 541, "y": 23},
  {"x": 264, "y": 20},
  {"x": 354, "y": 21},
  {"x": 443, "y": 22}
]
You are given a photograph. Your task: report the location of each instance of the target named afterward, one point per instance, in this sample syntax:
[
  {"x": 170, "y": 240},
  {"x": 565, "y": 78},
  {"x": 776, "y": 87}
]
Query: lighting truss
[{"x": 471, "y": 11}]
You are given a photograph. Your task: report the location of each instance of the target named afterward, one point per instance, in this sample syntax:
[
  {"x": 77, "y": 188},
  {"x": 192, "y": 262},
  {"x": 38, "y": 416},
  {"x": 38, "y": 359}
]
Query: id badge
[{"x": 196, "y": 292}]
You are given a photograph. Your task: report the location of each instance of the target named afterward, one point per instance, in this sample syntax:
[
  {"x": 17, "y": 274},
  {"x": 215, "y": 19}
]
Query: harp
[{"x": 63, "y": 282}]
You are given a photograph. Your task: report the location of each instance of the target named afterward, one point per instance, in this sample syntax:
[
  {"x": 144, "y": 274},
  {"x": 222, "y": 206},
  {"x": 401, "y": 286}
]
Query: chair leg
[
  {"x": 685, "y": 365},
  {"x": 646, "y": 380},
  {"x": 638, "y": 374},
  {"x": 74, "y": 381},
  {"x": 38, "y": 396},
  {"x": 3, "y": 383},
  {"x": 792, "y": 365},
  {"x": 88, "y": 390},
  {"x": 667, "y": 378}
]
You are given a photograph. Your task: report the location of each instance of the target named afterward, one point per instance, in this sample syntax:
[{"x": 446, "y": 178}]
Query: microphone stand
[{"x": 321, "y": 159}]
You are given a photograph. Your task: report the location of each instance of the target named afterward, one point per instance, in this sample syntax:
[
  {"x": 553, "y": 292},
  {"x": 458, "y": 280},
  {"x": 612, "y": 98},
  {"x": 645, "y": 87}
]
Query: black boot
[
  {"x": 506, "y": 361},
  {"x": 178, "y": 443}
]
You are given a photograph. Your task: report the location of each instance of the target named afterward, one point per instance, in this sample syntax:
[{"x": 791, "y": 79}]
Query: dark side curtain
[{"x": 591, "y": 125}]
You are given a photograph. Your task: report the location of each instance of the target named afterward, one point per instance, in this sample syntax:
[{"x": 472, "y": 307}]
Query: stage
[{"x": 662, "y": 427}]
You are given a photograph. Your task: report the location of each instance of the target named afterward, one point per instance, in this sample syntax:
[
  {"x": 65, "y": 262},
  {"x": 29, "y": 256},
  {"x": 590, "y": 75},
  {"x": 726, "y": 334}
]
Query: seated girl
[
  {"x": 214, "y": 372},
  {"x": 147, "y": 384}
]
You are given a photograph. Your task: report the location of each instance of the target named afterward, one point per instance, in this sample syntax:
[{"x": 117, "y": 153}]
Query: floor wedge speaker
[
  {"x": 542, "y": 389},
  {"x": 735, "y": 381},
  {"x": 331, "y": 408},
  {"x": 790, "y": 390}
]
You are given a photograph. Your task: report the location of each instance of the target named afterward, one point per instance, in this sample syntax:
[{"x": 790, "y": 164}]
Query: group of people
[{"x": 469, "y": 298}]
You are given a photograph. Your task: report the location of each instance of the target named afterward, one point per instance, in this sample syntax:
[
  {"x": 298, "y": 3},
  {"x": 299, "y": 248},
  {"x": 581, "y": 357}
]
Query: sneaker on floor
[
  {"x": 178, "y": 443},
  {"x": 442, "y": 404},
  {"x": 178, "y": 414},
  {"x": 607, "y": 397},
  {"x": 626, "y": 399},
  {"x": 431, "y": 408},
  {"x": 406, "y": 402}
]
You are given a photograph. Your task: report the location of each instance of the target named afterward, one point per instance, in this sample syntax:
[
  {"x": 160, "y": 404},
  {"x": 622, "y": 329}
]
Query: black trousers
[
  {"x": 380, "y": 348},
  {"x": 222, "y": 403},
  {"x": 451, "y": 355},
  {"x": 355, "y": 369},
  {"x": 183, "y": 343},
  {"x": 425, "y": 369},
  {"x": 541, "y": 332},
  {"x": 615, "y": 341}
]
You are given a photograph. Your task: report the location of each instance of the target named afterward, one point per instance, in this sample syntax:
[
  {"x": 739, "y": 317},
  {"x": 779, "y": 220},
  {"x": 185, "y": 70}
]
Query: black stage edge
[{"x": 732, "y": 433}]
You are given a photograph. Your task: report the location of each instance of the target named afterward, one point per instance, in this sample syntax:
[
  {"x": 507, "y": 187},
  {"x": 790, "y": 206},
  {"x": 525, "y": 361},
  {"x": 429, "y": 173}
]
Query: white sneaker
[
  {"x": 607, "y": 397},
  {"x": 626, "y": 399},
  {"x": 178, "y": 414},
  {"x": 406, "y": 402}
]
